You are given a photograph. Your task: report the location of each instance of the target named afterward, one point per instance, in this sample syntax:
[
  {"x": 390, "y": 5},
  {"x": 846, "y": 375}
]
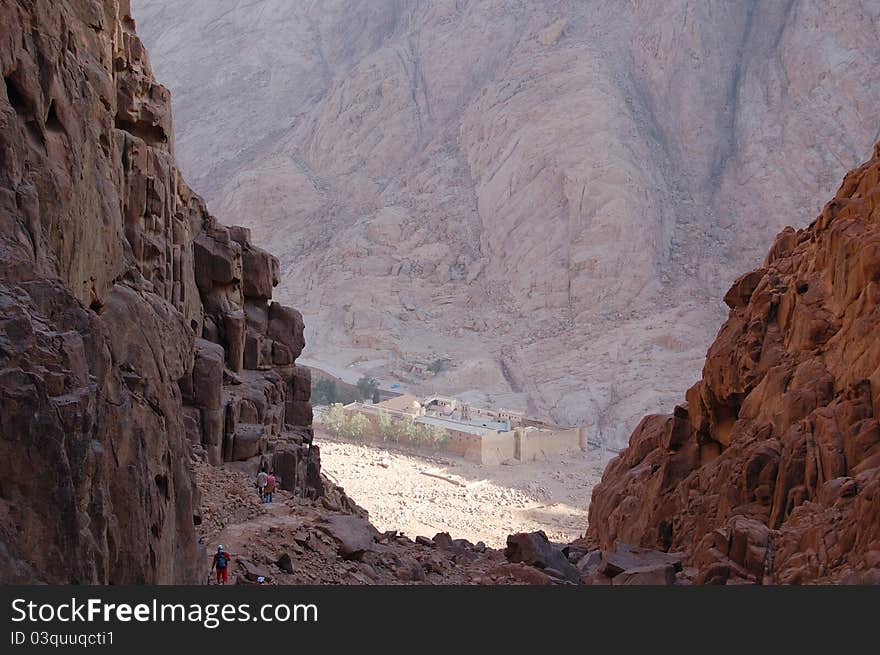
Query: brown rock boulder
[
  {"x": 217, "y": 259},
  {"x": 298, "y": 413},
  {"x": 261, "y": 273},
  {"x": 353, "y": 535},
  {"x": 234, "y": 339},
  {"x": 248, "y": 441},
  {"x": 207, "y": 374},
  {"x": 535, "y": 549},
  {"x": 654, "y": 575},
  {"x": 286, "y": 327}
]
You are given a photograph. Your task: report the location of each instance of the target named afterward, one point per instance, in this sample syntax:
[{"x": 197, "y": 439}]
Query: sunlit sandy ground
[{"x": 422, "y": 494}]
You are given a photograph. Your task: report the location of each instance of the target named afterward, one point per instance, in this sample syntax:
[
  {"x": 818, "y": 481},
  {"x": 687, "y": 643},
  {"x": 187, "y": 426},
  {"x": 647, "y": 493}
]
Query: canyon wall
[
  {"x": 770, "y": 471},
  {"x": 555, "y": 194},
  {"x": 136, "y": 332}
]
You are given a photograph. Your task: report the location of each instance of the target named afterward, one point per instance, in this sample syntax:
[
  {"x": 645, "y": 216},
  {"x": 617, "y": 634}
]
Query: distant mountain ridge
[{"x": 555, "y": 194}]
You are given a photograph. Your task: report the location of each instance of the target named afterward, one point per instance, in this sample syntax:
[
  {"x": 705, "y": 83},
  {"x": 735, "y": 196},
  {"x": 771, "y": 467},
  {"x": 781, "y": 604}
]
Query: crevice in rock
[
  {"x": 150, "y": 134},
  {"x": 162, "y": 484},
  {"x": 16, "y": 98},
  {"x": 53, "y": 123}
]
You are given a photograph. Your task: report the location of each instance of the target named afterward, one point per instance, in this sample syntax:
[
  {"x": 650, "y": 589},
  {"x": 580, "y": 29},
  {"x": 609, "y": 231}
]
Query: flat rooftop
[
  {"x": 472, "y": 427},
  {"x": 454, "y": 425}
]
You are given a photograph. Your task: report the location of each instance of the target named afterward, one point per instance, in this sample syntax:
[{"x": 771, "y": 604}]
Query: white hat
[{"x": 219, "y": 547}]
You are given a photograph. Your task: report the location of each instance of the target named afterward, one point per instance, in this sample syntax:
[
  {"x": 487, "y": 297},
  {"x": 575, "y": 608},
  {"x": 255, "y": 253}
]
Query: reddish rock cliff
[
  {"x": 770, "y": 472},
  {"x": 136, "y": 332}
]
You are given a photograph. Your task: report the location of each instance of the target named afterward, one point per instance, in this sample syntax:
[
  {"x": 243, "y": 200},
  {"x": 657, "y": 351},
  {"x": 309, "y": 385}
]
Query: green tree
[
  {"x": 324, "y": 392},
  {"x": 386, "y": 426},
  {"x": 356, "y": 427},
  {"x": 335, "y": 419},
  {"x": 404, "y": 429},
  {"x": 421, "y": 435},
  {"x": 376, "y": 397},
  {"x": 366, "y": 386}
]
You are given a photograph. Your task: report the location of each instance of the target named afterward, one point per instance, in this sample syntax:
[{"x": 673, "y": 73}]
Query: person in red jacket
[{"x": 221, "y": 564}]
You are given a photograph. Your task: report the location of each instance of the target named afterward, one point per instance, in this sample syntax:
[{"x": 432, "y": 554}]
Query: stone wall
[
  {"x": 496, "y": 448},
  {"x": 535, "y": 444}
]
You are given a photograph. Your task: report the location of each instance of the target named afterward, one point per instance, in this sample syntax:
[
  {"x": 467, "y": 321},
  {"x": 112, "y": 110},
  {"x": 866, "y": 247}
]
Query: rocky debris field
[
  {"x": 301, "y": 541},
  {"x": 332, "y": 541},
  {"x": 419, "y": 493}
]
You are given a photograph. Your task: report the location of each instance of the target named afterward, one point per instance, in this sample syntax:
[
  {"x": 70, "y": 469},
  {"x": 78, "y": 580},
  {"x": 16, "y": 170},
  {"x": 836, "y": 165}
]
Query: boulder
[
  {"x": 213, "y": 421},
  {"x": 217, "y": 259},
  {"x": 261, "y": 273},
  {"x": 253, "y": 346},
  {"x": 257, "y": 315},
  {"x": 653, "y": 574},
  {"x": 297, "y": 413},
  {"x": 286, "y": 327},
  {"x": 207, "y": 375},
  {"x": 521, "y": 573},
  {"x": 624, "y": 557},
  {"x": 285, "y": 563},
  {"x": 241, "y": 235},
  {"x": 281, "y": 355},
  {"x": 741, "y": 292},
  {"x": 300, "y": 384},
  {"x": 248, "y": 441},
  {"x": 234, "y": 333},
  {"x": 298, "y": 468},
  {"x": 535, "y": 549},
  {"x": 252, "y": 571},
  {"x": 353, "y": 534}
]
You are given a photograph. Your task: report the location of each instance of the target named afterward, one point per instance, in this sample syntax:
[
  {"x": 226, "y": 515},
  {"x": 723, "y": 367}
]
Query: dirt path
[
  {"x": 422, "y": 495},
  {"x": 300, "y": 541}
]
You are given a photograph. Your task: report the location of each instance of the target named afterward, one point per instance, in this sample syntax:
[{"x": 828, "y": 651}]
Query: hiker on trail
[
  {"x": 270, "y": 487},
  {"x": 221, "y": 563},
  {"x": 262, "y": 481}
]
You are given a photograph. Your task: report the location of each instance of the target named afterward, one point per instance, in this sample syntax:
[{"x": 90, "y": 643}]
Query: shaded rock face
[
  {"x": 771, "y": 469},
  {"x": 122, "y": 312}
]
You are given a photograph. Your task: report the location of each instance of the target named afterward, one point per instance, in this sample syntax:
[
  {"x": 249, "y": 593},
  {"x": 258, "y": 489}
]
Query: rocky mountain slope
[
  {"x": 771, "y": 469},
  {"x": 553, "y": 193},
  {"x": 136, "y": 332}
]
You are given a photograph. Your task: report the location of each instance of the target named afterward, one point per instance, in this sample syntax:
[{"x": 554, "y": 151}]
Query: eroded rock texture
[
  {"x": 126, "y": 311},
  {"x": 771, "y": 469},
  {"x": 555, "y": 194}
]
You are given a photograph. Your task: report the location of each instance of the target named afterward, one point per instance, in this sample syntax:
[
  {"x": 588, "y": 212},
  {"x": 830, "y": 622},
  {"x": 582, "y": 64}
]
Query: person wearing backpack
[
  {"x": 262, "y": 480},
  {"x": 270, "y": 487},
  {"x": 221, "y": 563}
]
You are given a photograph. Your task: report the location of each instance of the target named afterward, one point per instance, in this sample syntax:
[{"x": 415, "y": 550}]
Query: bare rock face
[
  {"x": 770, "y": 472},
  {"x": 123, "y": 326},
  {"x": 555, "y": 194}
]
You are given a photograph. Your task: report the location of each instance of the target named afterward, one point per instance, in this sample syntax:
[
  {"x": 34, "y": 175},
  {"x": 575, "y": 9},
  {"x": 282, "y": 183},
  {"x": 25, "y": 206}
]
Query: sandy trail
[{"x": 421, "y": 494}]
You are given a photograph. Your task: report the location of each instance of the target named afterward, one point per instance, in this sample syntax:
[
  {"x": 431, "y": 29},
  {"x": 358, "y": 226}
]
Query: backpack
[{"x": 221, "y": 560}]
